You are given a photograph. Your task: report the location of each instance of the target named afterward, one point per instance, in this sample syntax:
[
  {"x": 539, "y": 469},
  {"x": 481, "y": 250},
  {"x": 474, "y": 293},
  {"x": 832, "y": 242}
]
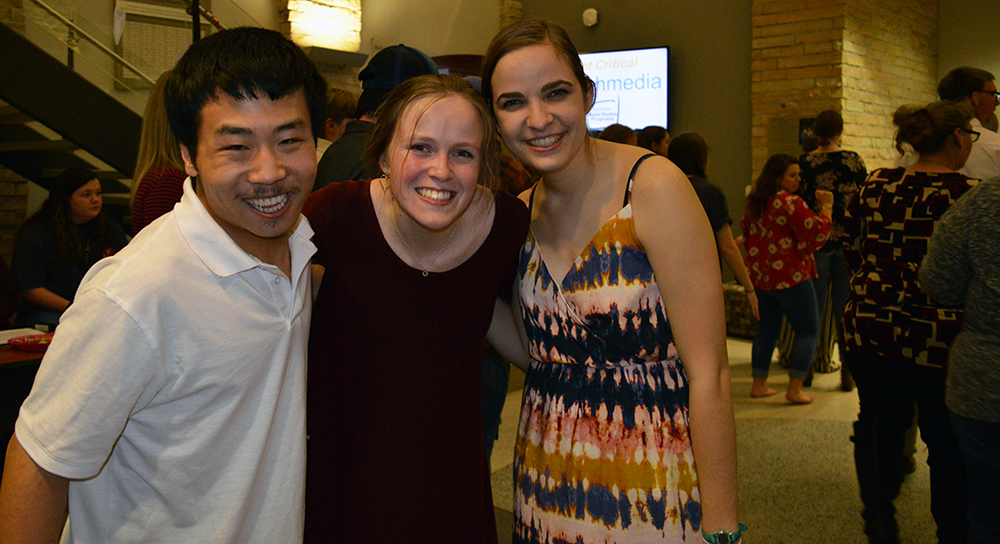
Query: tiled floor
[{"x": 797, "y": 481}]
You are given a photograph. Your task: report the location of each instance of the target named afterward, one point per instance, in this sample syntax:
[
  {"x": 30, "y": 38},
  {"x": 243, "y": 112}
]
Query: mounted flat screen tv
[{"x": 631, "y": 87}]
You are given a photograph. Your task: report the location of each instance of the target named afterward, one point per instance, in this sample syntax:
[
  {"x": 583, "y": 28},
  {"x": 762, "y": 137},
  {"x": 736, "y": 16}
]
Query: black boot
[{"x": 879, "y": 478}]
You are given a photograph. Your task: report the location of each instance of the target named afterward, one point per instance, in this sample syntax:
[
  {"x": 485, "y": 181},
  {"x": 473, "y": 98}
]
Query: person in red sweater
[{"x": 782, "y": 234}]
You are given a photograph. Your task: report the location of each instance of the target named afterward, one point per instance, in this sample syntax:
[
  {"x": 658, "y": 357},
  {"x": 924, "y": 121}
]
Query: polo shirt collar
[{"x": 217, "y": 250}]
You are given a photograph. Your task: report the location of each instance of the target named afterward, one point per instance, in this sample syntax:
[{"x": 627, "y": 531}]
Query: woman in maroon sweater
[{"x": 414, "y": 262}]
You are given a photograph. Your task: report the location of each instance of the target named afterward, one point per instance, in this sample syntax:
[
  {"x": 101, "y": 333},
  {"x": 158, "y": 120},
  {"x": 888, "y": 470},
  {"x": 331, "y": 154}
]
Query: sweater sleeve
[{"x": 946, "y": 271}]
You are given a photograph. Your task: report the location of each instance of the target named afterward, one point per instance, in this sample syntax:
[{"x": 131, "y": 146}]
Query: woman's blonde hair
[{"x": 157, "y": 146}]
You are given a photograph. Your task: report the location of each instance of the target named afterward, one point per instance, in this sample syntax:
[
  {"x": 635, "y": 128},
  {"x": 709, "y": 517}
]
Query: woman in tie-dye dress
[{"x": 623, "y": 437}]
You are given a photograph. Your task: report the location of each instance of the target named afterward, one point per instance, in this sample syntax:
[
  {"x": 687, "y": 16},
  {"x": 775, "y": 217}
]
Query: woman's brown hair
[
  {"x": 526, "y": 33},
  {"x": 768, "y": 183}
]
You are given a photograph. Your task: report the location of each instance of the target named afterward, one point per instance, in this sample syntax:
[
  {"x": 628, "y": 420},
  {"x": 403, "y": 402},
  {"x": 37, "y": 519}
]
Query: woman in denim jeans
[{"x": 782, "y": 234}]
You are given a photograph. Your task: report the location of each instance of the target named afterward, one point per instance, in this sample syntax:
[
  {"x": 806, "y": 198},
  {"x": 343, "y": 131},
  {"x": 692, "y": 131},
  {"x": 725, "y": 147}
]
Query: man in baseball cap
[{"x": 385, "y": 70}]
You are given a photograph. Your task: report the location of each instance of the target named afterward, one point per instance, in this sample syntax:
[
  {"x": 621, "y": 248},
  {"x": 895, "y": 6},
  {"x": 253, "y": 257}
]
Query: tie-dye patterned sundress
[{"x": 603, "y": 452}]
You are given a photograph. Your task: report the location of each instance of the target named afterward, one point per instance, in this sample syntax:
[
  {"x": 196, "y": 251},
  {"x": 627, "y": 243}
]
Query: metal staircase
[{"x": 52, "y": 118}]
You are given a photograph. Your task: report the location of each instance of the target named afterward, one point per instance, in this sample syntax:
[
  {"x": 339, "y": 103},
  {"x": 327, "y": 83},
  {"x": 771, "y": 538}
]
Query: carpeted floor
[{"x": 797, "y": 480}]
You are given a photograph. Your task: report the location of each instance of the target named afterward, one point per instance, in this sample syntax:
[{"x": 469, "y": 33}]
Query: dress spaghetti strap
[{"x": 631, "y": 176}]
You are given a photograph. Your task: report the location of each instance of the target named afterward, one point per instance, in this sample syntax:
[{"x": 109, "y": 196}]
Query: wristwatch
[{"x": 724, "y": 537}]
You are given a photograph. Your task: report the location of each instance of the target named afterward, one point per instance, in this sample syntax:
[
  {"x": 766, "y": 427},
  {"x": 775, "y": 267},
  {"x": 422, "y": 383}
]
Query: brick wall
[
  {"x": 863, "y": 58},
  {"x": 890, "y": 59},
  {"x": 796, "y": 70}
]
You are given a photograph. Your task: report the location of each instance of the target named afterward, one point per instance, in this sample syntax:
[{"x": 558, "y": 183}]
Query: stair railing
[{"x": 76, "y": 31}]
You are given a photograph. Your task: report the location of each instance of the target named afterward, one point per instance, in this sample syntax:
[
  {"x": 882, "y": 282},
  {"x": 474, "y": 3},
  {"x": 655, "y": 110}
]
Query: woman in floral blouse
[
  {"x": 895, "y": 338},
  {"x": 782, "y": 234},
  {"x": 831, "y": 168}
]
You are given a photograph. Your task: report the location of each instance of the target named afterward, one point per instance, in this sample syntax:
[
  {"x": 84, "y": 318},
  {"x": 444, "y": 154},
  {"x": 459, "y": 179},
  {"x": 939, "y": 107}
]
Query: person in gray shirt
[{"x": 962, "y": 266}]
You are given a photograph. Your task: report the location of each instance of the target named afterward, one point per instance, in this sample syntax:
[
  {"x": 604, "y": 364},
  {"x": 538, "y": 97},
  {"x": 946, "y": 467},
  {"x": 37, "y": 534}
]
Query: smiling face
[
  {"x": 790, "y": 181},
  {"x": 433, "y": 160},
  {"x": 255, "y": 165},
  {"x": 541, "y": 107},
  {"x": 85, "y": 202}
]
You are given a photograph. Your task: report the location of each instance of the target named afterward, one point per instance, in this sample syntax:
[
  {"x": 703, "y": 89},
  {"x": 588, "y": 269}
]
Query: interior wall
[
  {"x": 710, "y": 44},
  {"x": 969, "y": 35},
  {"x": 437, "y": 27}
]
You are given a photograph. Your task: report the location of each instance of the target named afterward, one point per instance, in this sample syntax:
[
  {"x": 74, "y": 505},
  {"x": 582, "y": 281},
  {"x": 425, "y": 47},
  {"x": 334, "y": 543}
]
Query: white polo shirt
[
  {"x": 174, "y": 390},
  {"x": 984, "y": 159}
]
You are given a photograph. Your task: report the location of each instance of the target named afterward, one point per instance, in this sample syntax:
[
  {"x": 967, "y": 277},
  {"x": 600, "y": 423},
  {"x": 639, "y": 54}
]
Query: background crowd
[{"x": 460, "y": 223}]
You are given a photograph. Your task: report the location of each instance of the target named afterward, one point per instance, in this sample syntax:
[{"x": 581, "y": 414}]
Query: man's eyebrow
[
  {"x": 230, "y": 130},
  {"x": 296, "y": 124}
]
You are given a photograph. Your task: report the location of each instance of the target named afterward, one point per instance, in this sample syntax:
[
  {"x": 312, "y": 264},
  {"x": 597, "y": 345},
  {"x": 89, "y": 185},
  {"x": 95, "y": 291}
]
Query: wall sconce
[{"x": 589, "y": 17}]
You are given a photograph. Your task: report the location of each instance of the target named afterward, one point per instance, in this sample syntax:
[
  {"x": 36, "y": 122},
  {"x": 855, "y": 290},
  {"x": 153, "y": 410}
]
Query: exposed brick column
[
  {"x": 863, "y": 58},
  {"x": 796, "y": 70},
  {"x": 890, "y": 59}
]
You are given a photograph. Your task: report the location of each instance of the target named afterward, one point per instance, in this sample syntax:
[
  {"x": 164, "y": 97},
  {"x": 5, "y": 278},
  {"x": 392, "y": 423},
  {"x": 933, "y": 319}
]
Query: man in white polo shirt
[{"x": 170, "y": 405}]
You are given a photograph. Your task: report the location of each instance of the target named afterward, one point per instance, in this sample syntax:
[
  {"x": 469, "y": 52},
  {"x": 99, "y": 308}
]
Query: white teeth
[
  {"x": 440, "y": 196},
  {"x": 545, "y": 142},
  {"x": 268, "y": 205}
]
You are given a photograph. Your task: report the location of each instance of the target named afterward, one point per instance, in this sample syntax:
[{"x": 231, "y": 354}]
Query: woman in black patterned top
[
  {"x": 831, "y": 168},
  {"x": 895, "y": 338}
]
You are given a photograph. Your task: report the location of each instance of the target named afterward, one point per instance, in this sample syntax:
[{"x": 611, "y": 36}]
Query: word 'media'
[{"x": 645, "y": 81}]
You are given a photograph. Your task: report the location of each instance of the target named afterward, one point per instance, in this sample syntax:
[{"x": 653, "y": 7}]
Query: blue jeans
[
  {"x": 980, "y": 445},
  {"x": 798, "y": 303}
]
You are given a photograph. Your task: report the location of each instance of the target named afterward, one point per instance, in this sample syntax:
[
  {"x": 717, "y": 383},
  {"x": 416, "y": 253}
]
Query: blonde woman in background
[{"x": 159, "y": 177}]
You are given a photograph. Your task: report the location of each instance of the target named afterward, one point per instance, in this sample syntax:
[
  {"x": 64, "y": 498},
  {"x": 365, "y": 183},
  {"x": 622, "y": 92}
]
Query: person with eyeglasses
[
  {"x": 895, "y": 338},
  {"x": 976, "y": 88}
]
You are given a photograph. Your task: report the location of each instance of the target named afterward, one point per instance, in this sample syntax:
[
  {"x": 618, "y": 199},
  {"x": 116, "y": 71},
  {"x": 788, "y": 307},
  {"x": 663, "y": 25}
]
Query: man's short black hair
[
  {"x": 961, "y": 82},
  {"x": 243, "y": 63}
]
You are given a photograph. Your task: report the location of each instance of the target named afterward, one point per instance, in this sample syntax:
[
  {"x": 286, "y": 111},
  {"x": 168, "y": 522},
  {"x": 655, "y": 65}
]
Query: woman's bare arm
[
  {"x": 506, "y": 333},
  {"x": 731, "y": 254},
  {"x": 677, "y": 237}
]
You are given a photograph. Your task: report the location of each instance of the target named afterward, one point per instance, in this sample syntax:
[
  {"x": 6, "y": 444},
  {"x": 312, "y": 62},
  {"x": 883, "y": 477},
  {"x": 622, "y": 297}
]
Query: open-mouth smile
[
  {"x": 545, "y": 141},
  {"x": 435, "y": 194},
  {"x": 270, "y": 204}
]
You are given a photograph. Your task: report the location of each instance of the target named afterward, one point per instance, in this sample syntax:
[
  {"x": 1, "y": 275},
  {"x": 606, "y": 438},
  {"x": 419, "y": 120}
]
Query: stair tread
[{"x": 37, "y": 145}]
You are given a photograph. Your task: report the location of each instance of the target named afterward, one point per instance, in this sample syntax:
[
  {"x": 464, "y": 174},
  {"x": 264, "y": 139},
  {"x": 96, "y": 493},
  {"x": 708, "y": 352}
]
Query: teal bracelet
[{"x": 724, "y": 537}]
